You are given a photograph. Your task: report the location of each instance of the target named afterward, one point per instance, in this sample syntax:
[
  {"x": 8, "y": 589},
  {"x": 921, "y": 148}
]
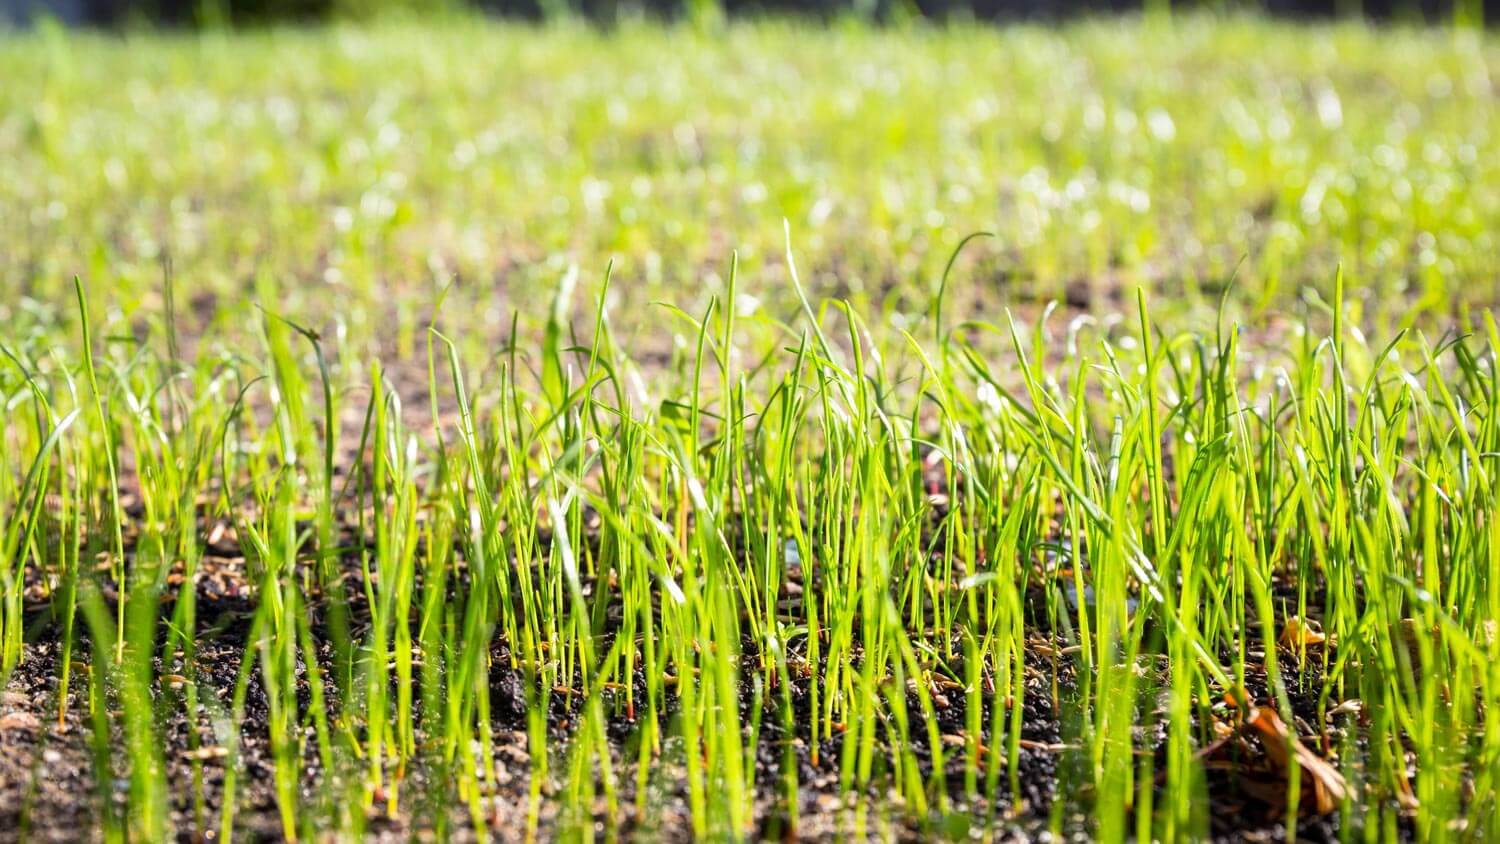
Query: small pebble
[{"x": 19, "y": 721}]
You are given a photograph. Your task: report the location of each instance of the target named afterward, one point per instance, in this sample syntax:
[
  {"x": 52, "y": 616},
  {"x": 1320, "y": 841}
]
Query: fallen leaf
[
  {"x": 1327, "y": 785},
  {"x": 1299, "y": 633}
]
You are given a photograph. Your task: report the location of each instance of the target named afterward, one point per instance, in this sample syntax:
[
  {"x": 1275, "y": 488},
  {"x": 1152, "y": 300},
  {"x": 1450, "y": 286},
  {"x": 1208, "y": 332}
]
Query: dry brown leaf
[
  {"x": 1327, "y": 784},
  {"x": 1299, "y": 633}
]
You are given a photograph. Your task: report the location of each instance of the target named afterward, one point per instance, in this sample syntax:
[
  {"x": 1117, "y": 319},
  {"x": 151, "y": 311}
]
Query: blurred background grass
[
  {"x": 241, "y": 12},
  {"x": 354, "y": 172}
]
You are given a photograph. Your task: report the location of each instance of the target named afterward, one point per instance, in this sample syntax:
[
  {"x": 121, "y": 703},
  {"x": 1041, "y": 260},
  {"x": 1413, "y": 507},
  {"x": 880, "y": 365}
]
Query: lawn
[{"x": 460, "y": 429}]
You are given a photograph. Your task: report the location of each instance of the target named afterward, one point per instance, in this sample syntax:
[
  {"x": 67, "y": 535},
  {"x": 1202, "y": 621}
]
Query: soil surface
[{"x": 49, "y": 791}]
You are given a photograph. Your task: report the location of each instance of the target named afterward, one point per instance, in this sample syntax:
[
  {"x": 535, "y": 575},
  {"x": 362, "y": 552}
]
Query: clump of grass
[{"x": 802, "y": 526}]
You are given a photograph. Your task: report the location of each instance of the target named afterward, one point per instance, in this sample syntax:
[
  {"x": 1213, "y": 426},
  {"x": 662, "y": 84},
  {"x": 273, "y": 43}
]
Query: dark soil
[{"x": 48, "y": 791}]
